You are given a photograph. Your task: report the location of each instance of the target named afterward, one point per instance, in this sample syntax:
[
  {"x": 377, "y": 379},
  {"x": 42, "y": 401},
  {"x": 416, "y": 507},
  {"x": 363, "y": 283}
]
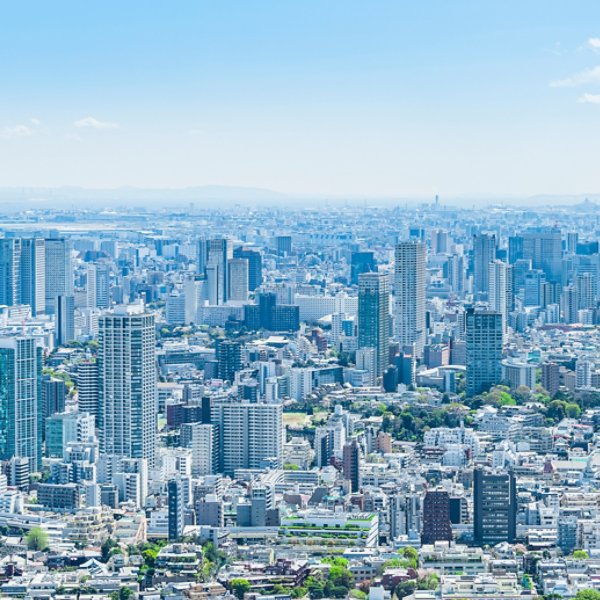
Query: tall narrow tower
[
  {"x": 484, "y": 252},
  {"x": 374, "y": 316},
  {"x": 409, "y": 288},
  {"x": 127, "y": 383},
  {"x": 21, "y": 404}
]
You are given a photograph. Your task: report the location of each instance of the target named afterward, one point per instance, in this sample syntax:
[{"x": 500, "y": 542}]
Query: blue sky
[{"x": 312, "y": 96}]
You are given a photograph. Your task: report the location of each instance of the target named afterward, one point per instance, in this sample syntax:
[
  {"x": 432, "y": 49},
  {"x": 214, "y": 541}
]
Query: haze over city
[{"x": 300, "y": 300}]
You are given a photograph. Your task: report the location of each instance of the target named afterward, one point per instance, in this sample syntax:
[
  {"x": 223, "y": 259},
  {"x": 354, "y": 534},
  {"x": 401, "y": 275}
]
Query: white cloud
[
  {"x": 594, "y": 43},
  {"x": 197, "y": 131},
  {"x": 16, "y": 131},
  {"x": 93, "y": 123},
  {"x": 35, "y": 121},
  {"x": 590, "y": 99},
  {"x": 583, "y": 77}
]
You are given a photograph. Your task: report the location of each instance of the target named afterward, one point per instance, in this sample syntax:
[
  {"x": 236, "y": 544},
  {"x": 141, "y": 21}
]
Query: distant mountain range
[{"x": 18, "y": 198}]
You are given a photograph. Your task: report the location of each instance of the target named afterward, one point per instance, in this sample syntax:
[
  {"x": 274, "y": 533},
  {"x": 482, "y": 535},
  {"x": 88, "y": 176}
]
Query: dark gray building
[{"x": 495, "y": 507}]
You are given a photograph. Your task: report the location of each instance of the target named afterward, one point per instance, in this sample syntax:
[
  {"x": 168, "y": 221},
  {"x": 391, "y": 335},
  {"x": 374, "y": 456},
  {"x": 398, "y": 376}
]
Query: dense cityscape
[{"x": 351, "y": 401}]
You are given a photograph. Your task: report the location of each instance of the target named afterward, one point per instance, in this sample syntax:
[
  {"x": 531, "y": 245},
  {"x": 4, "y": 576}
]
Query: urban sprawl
[{"x": 338, "y": 402}]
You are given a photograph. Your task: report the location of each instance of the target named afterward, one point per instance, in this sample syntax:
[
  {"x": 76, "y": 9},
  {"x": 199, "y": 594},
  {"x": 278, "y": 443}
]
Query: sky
[{"x": 333, "y": 97}]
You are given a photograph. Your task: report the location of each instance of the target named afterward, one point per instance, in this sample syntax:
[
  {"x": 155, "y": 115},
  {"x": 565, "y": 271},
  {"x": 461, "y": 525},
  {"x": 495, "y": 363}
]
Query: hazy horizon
[{"x": 336, "y": 99}]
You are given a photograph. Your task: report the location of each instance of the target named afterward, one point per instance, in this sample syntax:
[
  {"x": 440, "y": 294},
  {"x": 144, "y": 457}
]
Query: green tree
[
  {"x": 124, "y": 593},
  {"x": 239, "y": 587},
  {"x": 556, "y": 410},
  {"x": 105, "y": 549},
  {"x": 572, "y": 410},
  {"x": 335, "y": 561},
  {"x": 411, "y": 555},
  {"x": 580, "y": 554},
  {"x": 588, "y": 595},
  {"x": 37, "y": 539},
  {"x": 430, "y": 582}
]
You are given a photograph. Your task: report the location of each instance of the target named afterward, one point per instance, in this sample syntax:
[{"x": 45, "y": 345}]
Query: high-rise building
[
  {"x": 551, "y": 378},
  {"x": 102, "y": 286},
  {"x": 229, "y": 356},
  {"x": 361, "y": 262},
  {"x": 201, "y": 248},
  {"x": 90, "y": 285},
  {"x": 497, "y": 294},
  {"x": 21, "y": 400},
  {"x": 237, "y": 279},
  {"x": 484, "y": 252},
  {"x": 587, "y": 290},
  {"x": 283, "y": 244},
  {"x": 495, "y": 507},
  {"x": 351, "y": 464},
  {"x": 484, "y": 337},
  {"x": 10, "y": 263},
  {"x": 65, "y": 319},
  {"x": 66, "y": 427},
  {"x": 87, "y": 387},
  {"x": 436, "y": 517},
  {"x": 250, "y": 434},
  {"x": 254, "y": 258},
  {"x": 374, "y": 316},
  {"x": 569, "y": 304},
  {"x": 409, "y": 288},
  {"x": 267, "y": 314},
  {"x": 54, "y": 393},
  {"x": 218, "y": 253},
  {"x": 543, "y": 247},
  {"x": 22, "y": 273},
  {"x": 59, "y": 271},
  {"x": 533, "y": 285},
  {"x": 202, "y": 439},
  {"x": 32, "y": 275},
  {"x": 176, "y": 509},
  {"x": 127, "y": 387}
]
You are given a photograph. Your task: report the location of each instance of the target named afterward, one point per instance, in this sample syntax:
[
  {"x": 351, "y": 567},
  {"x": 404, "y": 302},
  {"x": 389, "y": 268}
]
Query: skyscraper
[
  {"x": 65, "y": 319},
  {"x": 229, "y": 355},
  {"x": 87, "y": 387},
  {"x": 176, "y": 508},
  {"x": 22, "y": 273},
  {"x": 54, "y": 393},
  {"x": 498, "y": 294},
  {"x": 351, "y": 464},
  {"x": 436, "y": 517},
  {"x": 250, "y": 434},
  {"x": 127, "y": 390},
  {"x": 374, "y": 316},
  {"x": 32, "y": 275},
  {"x": 102, "y": 285},
  {"x": 218, "y": 253},
  {"x": 551, "y": 378},
  {"x": 237, "y": 279},
  {"x": 202, "y": 439},
  {"x": 361, "y": 262},
  {"x": 543, "y": 247},
  {"x": 495, "y": 507},
  {"x": 409, "y": 289},
  {"x": 59, "y": 271},
  {"x": 254, "y": 259},
  {"x": 484, "y": 252},
  {"x": 21, "y": 401},
  {"x": 484, "y": 350},
  {"x": 283, "y": 244},
  {"x": 10, "y": 262}
]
